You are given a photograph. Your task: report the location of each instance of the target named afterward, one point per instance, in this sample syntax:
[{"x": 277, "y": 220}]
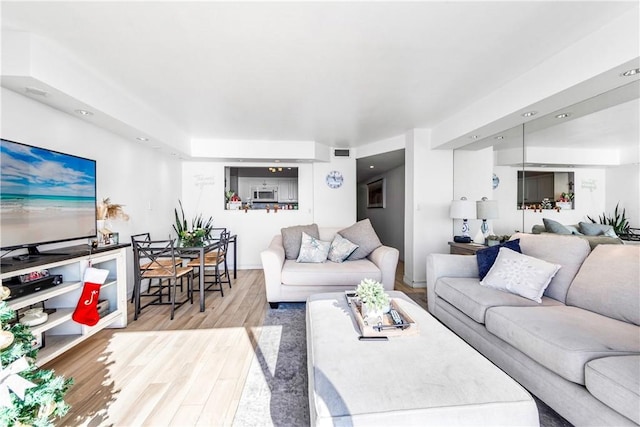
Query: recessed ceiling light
[
  {"x": 631, "y": 72},
  {"x": 84, "y": 112},
  {"x": 371, "y": 167},
  {"x": 563, "y": 115},
  {"x": 277, "y": 161},
  {"x": 474, "y": 136},
  {"x": 142, "y": 138},
  {"x": 499, "y": 137},
  {"x": 529, "y": 113}
]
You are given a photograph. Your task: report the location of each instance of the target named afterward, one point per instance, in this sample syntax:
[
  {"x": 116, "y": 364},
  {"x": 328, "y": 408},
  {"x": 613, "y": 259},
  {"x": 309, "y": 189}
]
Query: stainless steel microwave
[{"x": 264, "y": 194}]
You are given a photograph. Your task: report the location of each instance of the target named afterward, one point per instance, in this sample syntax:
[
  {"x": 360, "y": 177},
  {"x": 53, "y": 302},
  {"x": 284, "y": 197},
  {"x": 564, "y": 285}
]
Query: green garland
[{"x": 41, "y": 403}]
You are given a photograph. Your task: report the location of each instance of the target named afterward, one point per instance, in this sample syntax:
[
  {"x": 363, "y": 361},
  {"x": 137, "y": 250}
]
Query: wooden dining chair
[
  {"x": 215, "y": 265},
  {"x": 161, "y": 264}
]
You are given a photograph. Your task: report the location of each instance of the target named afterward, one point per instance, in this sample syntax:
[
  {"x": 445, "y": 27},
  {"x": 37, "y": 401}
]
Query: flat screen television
[{"x": 45, "y": 197}]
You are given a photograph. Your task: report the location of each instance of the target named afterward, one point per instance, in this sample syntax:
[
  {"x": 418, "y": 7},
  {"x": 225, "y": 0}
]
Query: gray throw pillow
[
  {"x": 555, "y": 227},
  {"x": 591, "y": 229},
  {"x": 313, "y": 250},
  {"x": 292, "y": 238},
  {"x": 362, "y": 234},
  {"x": 340, "y": 249}
]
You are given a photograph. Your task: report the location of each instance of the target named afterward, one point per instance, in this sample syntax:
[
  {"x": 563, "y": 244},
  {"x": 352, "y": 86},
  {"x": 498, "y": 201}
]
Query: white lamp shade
[
  {"x": 462, "y": 209},
  {"x": 487, "y": 209}
]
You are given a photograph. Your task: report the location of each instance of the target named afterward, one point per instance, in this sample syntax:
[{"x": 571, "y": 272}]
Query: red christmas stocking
[{"x": 87, "y": 309}]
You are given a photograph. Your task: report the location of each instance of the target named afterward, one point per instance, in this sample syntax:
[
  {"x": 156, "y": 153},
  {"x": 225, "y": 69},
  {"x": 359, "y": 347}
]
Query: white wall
[
  {"x": 146, "y": 182},
  {"x": 506, "y": 194},
  {"x": 203, "y": 192},
  {"x": 388, "y": 222},
  {"x": 472, "y": 178},
  {"x": 429, "y": 189},
  {"x": 334, "y": 207},
  {"x": 623, "y": 186}
]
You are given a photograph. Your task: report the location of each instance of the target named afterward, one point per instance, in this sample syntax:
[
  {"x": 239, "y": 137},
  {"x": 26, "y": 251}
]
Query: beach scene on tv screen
[{"x": 44, "y": 196}]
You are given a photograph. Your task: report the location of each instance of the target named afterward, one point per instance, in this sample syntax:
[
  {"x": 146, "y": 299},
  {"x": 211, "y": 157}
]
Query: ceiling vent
[{"x": 341, "y": 152}]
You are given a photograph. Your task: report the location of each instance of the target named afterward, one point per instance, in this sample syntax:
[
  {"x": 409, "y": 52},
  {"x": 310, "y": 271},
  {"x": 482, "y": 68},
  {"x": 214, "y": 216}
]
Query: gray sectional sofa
[{"x": 579, "y": 350}]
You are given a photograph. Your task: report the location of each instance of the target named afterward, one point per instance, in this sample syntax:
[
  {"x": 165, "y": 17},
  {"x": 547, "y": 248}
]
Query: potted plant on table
[
  {"x": 375, "y": 301},
  {"x": 197, "y": 233}
]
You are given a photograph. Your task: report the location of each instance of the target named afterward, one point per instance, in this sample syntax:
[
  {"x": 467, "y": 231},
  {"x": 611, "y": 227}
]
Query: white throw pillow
[
  {"x": 520, "y": 274},
  {"x": 340, "y": 249},
  {"x": 312, "y": 249}
]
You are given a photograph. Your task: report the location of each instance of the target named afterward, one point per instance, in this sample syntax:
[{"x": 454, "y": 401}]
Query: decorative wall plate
[
  {"x": 334, "y": 179},
  {"x": 495, "y": 181}
]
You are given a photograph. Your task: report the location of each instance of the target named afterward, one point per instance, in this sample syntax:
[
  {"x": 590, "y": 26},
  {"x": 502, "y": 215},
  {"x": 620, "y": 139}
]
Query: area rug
[{"x": 276, "y": 390}]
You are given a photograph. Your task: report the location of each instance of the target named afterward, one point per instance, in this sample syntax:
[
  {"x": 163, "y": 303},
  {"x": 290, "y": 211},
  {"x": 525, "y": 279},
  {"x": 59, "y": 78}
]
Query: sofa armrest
[
  {"x": 386, "y": 259},
  {"x": 272, "y": 263},
  {"x": 447, "y": 265}
]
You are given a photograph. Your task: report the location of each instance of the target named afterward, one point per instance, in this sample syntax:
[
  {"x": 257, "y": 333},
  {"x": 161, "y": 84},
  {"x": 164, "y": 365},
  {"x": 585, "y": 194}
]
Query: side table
[{"x": 465, "y": 248}]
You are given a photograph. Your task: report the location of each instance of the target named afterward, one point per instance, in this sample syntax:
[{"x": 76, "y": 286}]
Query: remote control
[{"x": 397, "y": 320}]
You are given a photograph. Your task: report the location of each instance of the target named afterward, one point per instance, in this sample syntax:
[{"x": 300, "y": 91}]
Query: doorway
[{"x": 381, "y": 178}]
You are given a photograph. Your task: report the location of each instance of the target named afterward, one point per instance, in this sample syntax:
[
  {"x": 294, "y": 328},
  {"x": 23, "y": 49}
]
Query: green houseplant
[
  {"x": 200, "y": 229},
  {"x": 375, "y": 301},
  {"x": 618, "y": 221}
]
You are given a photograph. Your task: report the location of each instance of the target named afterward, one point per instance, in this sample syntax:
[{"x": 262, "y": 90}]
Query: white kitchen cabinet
[{"x": 288, "y": 190}]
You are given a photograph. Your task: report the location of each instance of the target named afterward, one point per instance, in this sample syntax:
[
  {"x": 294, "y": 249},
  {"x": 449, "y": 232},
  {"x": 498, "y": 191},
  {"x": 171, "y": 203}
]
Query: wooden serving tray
[{"x": 387, "y": 328}]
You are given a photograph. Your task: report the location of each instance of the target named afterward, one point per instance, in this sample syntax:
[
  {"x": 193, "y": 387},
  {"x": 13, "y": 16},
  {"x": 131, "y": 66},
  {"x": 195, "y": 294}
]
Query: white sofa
[
  {"x": 579, "y": 350},
  {"x": 289, "y": 281}
]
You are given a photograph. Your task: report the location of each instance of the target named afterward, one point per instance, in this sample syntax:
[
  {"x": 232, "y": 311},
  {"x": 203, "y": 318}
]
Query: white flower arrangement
[{"x": 372, "y": 294}]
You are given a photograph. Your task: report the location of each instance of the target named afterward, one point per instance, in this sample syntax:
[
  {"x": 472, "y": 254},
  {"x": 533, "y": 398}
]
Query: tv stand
[
  {"x": 61, "y": 332},
  {"x": 35, "y": 253}
]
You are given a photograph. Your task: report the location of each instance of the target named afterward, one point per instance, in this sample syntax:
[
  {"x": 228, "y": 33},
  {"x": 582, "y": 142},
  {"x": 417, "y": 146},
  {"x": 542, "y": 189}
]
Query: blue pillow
[{"x": 486, "y": 257}]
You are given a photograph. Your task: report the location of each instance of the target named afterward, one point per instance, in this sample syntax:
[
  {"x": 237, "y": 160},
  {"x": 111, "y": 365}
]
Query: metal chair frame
[
  {"x": 213, "y": 261},
  {"x": 162, "y": 265}
]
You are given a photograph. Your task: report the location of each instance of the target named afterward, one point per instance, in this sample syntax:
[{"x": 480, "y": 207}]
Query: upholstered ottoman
[{"x": 433, "y": 378}]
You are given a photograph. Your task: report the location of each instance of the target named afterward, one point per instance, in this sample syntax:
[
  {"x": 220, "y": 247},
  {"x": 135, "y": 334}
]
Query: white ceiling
[{"x": 339, "y": 73}]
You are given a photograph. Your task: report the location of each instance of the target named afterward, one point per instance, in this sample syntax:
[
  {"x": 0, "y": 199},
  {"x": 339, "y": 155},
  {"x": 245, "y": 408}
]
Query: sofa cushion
[
  {"x": 329, "y": 273},
  {"x": 552, "y": 226},
  {"x": 362, "y": 234},
  {"x": 615, "y": 381},
  {"x": 609, "y": 283},
  {"x": 469, "y": 297},
  {"x": 592, "y": 229},
  {"x": 340, "y": 249},
  {"x": 520, "y": 274},
  {"x": 561, "y": 338},
  {"x": 568, "y": 251},
  {"x": 292, "y": 238},
  {"x": 486, "y": 257},
  {"x": 312, "y": 249}
]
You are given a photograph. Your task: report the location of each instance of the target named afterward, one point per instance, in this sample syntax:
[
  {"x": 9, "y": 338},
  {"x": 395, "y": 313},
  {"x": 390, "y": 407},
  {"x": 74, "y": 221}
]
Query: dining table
[{"x": 190, "y": 251}]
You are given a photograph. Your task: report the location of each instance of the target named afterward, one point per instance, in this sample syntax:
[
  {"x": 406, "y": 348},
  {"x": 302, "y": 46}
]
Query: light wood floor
[{"x": 189, "y": 371}]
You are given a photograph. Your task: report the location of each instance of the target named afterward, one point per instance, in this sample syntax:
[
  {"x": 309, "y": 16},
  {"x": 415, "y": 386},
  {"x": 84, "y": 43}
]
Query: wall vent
[{"x": 341, "y": 152}]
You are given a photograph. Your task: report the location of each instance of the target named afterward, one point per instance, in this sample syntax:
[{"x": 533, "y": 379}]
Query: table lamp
[
  {"x": 462, "y": 209},
  {"x": 485, "y": 209}
]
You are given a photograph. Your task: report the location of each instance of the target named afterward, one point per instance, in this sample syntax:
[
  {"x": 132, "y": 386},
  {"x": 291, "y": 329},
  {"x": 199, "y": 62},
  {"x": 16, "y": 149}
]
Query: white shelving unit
[{"x": 60, "y": 331}]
